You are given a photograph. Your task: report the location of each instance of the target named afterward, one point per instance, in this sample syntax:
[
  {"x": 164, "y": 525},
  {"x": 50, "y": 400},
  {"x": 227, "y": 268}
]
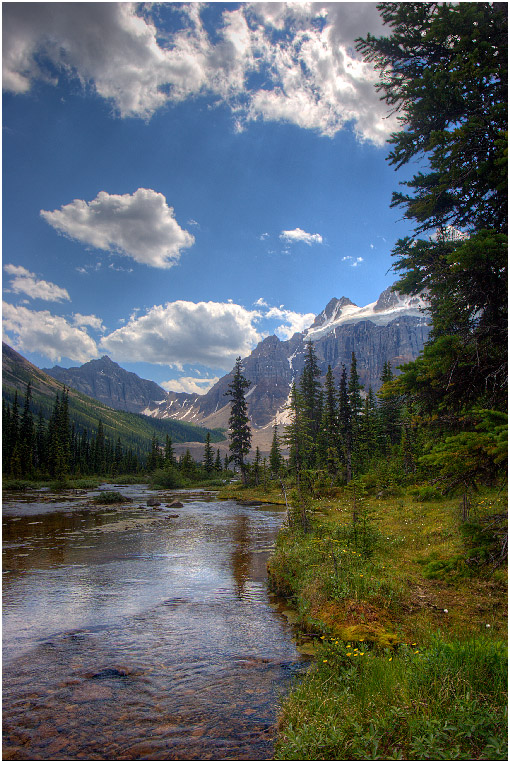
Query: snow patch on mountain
[{"x": 390, "y": 306}]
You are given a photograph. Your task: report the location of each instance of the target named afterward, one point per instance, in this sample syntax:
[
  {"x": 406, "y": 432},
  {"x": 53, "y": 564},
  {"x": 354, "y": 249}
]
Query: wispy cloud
[
  {"x": 299, "y": 235},
  {"x": 353, "y": 261},
  {"x": 88, "y": 320},
  {"x": 25, "y": 282}
]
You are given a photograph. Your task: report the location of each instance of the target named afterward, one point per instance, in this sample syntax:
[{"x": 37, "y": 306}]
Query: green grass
[
  {"x": 441, "y": 702},
  {"x": 407, "y": 667}
]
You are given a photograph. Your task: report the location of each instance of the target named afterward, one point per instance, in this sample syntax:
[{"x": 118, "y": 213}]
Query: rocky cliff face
[
  {"x": 394, "y": 329},
  {"x": 107, "y": 382}
]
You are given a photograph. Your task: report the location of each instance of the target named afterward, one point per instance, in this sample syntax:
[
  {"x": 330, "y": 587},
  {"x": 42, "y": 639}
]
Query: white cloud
[
  {"x": 195, "y": 385},
  {"x": 25, "y": 282},
  {"x": 88, "y": 320},
  {"x": 140, "y": 225},
  {"x": 353, "y": 261},
  {"x": 210, "y": 333},
  {"x": 292, "y": 236},
  {"x": 304, "y": 55},
  {"x": 261, "y": 302},
  {"x": 293, "y": 322},
  {"x": 47, "y": 334}
]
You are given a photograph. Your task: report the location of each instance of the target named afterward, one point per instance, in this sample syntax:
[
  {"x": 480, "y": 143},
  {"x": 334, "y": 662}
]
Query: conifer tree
[
  {"x": 275, "y": 455},
  {"x": 187, "y": 464},
  {"x": 368, "y": 430},
  {"x": 152, "y": 459},
  {"x": 169, "y": 452},
  {"x": 257, "y": 468},
  {"x": 99, "y": 450},
  {"x": 297, "y": 434},
  {"x": 356, "y": 408},
  {"x": 311, "y": 394},
  {"x": 27, "y": 434},
  {"x": 389, "y": 411},
  {"x": 239, "y": 427},
  {"x": 208, "y": 460},
  {"x": 327, "y": 441},
  {"x": 217, "y": 463},
  {"x": 13, "y": 436},
  {"x": 344, "y": 425}
]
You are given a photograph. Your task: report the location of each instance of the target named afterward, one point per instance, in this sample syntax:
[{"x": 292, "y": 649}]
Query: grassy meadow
[{"x": 401, "y": 598}]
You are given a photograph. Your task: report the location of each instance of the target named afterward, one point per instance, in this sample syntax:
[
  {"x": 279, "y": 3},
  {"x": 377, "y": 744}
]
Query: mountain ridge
[{"x": 392, "y": 329}]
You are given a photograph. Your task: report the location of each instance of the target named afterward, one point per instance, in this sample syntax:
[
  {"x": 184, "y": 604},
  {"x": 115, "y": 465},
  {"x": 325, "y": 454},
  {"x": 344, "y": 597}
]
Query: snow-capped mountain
[
  {"x": 390, "y": 306},
  {"x": 394, "y": 329}
]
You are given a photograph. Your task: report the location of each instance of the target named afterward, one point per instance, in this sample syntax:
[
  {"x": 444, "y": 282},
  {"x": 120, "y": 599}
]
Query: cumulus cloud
[
  {"x": 302, "y": 53},
  {"x": 47, "y": 334},
  {"x": 293, "y": 236},
  {"x": 210, "y": 333},
  {"x": 195, "y": 385},
  {"x": 293, "y": 322},
  {"x": 353, "y": 261},
  {"x": 88, "y": 320},
  {"x": 140, "y": 225},
  {"x": 25, "y": 282}
]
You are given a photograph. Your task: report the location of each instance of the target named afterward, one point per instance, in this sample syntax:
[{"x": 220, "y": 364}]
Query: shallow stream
[{"x": 140, "y": 632}]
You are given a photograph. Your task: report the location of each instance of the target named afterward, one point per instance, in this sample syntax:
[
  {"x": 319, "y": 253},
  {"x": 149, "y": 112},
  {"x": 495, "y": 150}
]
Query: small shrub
[
  {"x": 169, "y": 478},
  {"x": 111, "y": 496},
  {"x": 426, "y": 493},
  {"x": 16, "y": 485}
]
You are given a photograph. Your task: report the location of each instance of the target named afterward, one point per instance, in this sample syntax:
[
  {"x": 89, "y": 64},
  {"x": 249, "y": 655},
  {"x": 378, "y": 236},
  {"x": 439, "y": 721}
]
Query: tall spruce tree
[
  {"x": 328, "y": 437},
  {"x": 239, "y": 423},
  {"x": 208, "y": 459},
  {"x": 356, "y": 407},
  {"x": 311, "y": 394},
  {"x": 275, "y": 455},
  {"x": 169, "y": 452},
  {"x": 344, "y": 425},
  {"x": 444, "y": 69},
  {"x": 297, "y": 434}
]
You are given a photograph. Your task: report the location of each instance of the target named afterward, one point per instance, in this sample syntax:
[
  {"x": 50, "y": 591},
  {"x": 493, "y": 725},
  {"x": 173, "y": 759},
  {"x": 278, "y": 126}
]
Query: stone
[
  {"x": 175, "y": 505},
  {"x": 153, "y": 502}
]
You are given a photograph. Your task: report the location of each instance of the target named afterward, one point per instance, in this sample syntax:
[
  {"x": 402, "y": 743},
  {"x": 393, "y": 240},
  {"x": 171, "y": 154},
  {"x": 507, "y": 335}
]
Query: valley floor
[{"x": 408, "y": 631}]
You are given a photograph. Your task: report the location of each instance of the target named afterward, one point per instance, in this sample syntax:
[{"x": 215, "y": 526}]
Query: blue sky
[{"x": 180, "y": 181}]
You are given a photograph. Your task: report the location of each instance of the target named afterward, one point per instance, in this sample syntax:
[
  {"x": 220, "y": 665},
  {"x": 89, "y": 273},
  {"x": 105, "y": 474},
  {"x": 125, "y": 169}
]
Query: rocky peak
[
  {"x": 331, "y": 311},
  {"x": 387, "y": 300}
]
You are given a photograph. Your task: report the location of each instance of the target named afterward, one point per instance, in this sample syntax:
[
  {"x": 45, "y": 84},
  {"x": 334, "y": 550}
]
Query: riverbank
[{"x": 408, "y": 618}]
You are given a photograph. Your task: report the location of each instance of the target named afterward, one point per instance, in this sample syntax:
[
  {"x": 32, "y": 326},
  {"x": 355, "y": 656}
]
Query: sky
[{"x": 182, "y": 180}]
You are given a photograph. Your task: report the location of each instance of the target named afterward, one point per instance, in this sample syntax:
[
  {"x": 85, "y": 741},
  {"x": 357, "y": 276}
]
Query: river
[{"x": 140, "y": 633}]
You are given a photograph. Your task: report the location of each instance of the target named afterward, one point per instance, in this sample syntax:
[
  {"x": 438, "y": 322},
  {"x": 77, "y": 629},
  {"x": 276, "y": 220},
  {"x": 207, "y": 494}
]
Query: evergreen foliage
[{"x": 239, "y": 426}]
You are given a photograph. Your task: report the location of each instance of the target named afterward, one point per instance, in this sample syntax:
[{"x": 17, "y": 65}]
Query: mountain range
[
  {"x": 394, "y": 328},
  {"x": 134, "y": 429}
]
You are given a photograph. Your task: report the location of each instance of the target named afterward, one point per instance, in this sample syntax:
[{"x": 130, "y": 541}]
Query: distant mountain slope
[
  {"x": 135, "y": 430},
  {"x": 107, "y": 382},
  {"x": 394, "y": 329}
]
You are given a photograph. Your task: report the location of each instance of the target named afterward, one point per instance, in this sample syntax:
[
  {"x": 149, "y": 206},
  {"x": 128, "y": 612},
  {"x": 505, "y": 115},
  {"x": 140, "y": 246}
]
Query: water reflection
[{"x": 134, "y": 633}]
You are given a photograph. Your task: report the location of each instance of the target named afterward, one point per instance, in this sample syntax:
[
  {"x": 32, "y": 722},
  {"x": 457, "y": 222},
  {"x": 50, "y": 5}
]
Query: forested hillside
[{"x": 84, "y": 419}]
